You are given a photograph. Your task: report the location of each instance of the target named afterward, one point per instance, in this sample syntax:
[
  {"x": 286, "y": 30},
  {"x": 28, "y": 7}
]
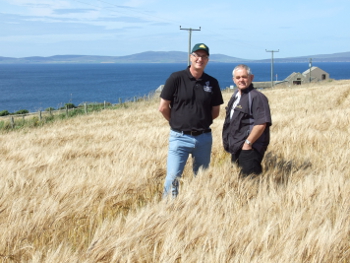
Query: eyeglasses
[
  {"x": 243, "y": 77},
  {"x": 198, "y": 56}
]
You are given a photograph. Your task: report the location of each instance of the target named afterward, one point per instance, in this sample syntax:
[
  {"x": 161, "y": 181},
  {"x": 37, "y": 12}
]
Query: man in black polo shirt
[
  {"x": 246, "y": 130},
  {"x": 190, "y": 100}
]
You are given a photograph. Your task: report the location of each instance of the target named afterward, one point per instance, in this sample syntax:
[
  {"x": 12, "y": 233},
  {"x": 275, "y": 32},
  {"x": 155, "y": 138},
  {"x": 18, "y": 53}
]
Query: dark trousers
[{"x": 249, "y": 161}]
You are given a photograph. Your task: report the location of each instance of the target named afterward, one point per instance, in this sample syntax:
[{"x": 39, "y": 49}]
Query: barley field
[{"x": 88, "y": 189}]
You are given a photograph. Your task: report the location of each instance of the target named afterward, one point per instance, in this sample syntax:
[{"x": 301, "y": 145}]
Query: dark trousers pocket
[{"x": 250, "y": 162}]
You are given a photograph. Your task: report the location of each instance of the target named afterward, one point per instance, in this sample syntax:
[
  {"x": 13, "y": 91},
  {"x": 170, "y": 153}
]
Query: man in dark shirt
[
  {"x": 246, "y": 130},
  {"x": 190, "y": 100}
]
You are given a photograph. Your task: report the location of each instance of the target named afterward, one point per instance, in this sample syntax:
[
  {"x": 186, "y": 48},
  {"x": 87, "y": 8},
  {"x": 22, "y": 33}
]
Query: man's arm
[
  {"x": 164, "y": 108},
  {"x": 215, "y": 110},
  {"x": 256, "y": 132}
]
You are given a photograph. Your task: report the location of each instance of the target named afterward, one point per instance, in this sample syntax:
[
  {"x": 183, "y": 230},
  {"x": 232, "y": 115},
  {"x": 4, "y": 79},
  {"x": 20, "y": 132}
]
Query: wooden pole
[{"x": 12, "y": 122}]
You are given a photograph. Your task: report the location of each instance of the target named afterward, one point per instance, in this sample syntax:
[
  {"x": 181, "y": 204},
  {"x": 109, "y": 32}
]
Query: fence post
[
  {"x": 85, "y": 108},
  {"x": 67, "y": 111},
  {"x": 39, "y": 115},
  {"x": 104, "y": 105},
  {"x": 50, "y": 111},
  {"x": 12, "y": 122}
]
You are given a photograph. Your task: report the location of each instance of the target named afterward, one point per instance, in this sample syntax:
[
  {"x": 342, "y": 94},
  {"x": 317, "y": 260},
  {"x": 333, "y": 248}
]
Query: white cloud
[{"x": 296, "y": 28}]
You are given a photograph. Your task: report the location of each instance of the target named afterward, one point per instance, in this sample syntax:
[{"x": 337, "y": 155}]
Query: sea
[{"x": 35, "y": 87}]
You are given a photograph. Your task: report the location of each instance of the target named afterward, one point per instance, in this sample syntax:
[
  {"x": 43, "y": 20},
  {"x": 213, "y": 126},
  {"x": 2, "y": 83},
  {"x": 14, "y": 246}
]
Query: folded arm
[{"x": 164, "y": 108}]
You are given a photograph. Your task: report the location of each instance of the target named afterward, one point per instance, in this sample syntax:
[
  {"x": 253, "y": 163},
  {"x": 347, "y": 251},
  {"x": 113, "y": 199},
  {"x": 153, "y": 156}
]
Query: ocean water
[{"x": 38, "y": 86}]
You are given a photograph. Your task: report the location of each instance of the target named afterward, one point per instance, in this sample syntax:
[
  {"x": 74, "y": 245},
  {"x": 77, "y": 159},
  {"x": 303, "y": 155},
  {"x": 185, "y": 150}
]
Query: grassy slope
[{"x": 88, "y": 189}]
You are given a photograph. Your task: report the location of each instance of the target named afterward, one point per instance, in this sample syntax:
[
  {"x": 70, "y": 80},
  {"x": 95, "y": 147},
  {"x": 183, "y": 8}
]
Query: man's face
[
  {"x": 242, "y": 79},
  {"x": 199, "y": 59}
]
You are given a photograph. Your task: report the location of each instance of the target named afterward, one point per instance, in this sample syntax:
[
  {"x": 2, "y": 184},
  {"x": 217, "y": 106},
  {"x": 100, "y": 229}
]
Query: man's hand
[
  {"x": 254, "y": 135},
  {"x": 246, "y": 146}
]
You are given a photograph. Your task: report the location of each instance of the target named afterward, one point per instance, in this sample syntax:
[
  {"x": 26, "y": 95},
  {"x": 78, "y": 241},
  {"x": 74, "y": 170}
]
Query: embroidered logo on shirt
[{"x": 207, "y": 88}]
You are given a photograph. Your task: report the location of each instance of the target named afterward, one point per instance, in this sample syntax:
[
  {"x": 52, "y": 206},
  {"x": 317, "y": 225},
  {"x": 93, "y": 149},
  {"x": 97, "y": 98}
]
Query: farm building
[
  {"x": 295, "y": 79},
  {"x": 317, "y": 74}
]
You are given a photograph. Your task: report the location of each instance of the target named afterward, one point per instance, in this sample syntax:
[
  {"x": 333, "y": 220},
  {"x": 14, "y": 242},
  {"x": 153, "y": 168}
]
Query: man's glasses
[{"x": 204, "y": 57}]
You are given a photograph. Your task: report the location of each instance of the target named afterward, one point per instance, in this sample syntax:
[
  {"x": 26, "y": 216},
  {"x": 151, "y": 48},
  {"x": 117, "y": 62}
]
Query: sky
[{"x": 242, "y": 29}]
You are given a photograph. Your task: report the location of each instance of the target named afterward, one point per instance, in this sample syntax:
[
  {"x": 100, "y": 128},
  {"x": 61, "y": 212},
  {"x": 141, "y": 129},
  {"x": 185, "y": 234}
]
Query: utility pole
[
  {"x": 310, "y": 66},
  {"x": 272, "y": 51},
  {"x": 189, "y": 40}
]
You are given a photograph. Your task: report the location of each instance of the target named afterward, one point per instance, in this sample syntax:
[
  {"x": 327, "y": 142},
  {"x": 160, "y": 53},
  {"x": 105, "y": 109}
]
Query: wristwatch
[{"x": 248, "y": 142}]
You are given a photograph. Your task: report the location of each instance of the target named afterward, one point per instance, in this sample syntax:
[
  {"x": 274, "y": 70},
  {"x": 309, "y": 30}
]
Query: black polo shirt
[{"x": 191, "y": 100}]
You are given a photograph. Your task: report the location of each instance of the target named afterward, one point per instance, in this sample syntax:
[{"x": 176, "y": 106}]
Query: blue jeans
[{"x": 180, "y": 147}]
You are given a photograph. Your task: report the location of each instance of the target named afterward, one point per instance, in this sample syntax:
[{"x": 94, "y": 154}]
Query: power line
[
  {"x": 126, "y": 9},
  {"x": 310, "y": 66},
  {"x": 189, "y": 40},
  {"x": 272, "y": 51}
]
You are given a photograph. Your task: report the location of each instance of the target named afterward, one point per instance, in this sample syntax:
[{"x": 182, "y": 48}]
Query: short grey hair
[{"x": 242, "y": 66}]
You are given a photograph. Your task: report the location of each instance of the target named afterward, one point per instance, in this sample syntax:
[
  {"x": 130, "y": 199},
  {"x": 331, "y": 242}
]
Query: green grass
[
  {"x": 51, "y": 115},
  {"x": 31, "y": 121}
]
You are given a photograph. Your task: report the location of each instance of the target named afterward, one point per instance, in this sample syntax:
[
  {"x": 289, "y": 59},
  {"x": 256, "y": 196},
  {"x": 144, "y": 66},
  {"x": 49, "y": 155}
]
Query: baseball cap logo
[{"x": 200, "y": 46}]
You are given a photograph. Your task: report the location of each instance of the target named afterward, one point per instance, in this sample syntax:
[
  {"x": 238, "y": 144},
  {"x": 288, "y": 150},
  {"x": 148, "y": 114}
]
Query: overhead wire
[{"x": 225, "y": 38}]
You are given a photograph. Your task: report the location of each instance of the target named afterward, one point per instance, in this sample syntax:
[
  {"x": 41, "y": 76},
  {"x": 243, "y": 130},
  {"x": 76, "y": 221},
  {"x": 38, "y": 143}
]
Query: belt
[{"x": 192, "y": 133}]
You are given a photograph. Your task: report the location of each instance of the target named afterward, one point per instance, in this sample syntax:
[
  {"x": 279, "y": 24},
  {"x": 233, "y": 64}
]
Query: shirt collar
[
  {"x": 246, "y": 90},
  {"x": 190, "y": 75}
]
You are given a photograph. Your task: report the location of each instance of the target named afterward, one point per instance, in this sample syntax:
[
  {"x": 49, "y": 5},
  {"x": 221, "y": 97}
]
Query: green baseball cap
[{"x": 200, "y": 46}]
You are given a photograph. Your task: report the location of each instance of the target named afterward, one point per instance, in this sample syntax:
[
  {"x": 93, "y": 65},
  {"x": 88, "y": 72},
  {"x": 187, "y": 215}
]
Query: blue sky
[{"x": 243, "y": 29}]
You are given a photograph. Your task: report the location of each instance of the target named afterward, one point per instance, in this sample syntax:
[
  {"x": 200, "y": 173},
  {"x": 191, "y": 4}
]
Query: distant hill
[
  {"x": 166, "y": 57},
  {"x": 144, "y": 57},
  {"x": 336, "y": 57}
]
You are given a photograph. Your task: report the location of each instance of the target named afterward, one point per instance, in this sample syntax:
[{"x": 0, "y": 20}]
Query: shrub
[
  {"x": 50, "y": 109},
  {"x": 69, "y": 106},
  {"x": 4, "y": 113},
  {"x": 21, "y": 112}
]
